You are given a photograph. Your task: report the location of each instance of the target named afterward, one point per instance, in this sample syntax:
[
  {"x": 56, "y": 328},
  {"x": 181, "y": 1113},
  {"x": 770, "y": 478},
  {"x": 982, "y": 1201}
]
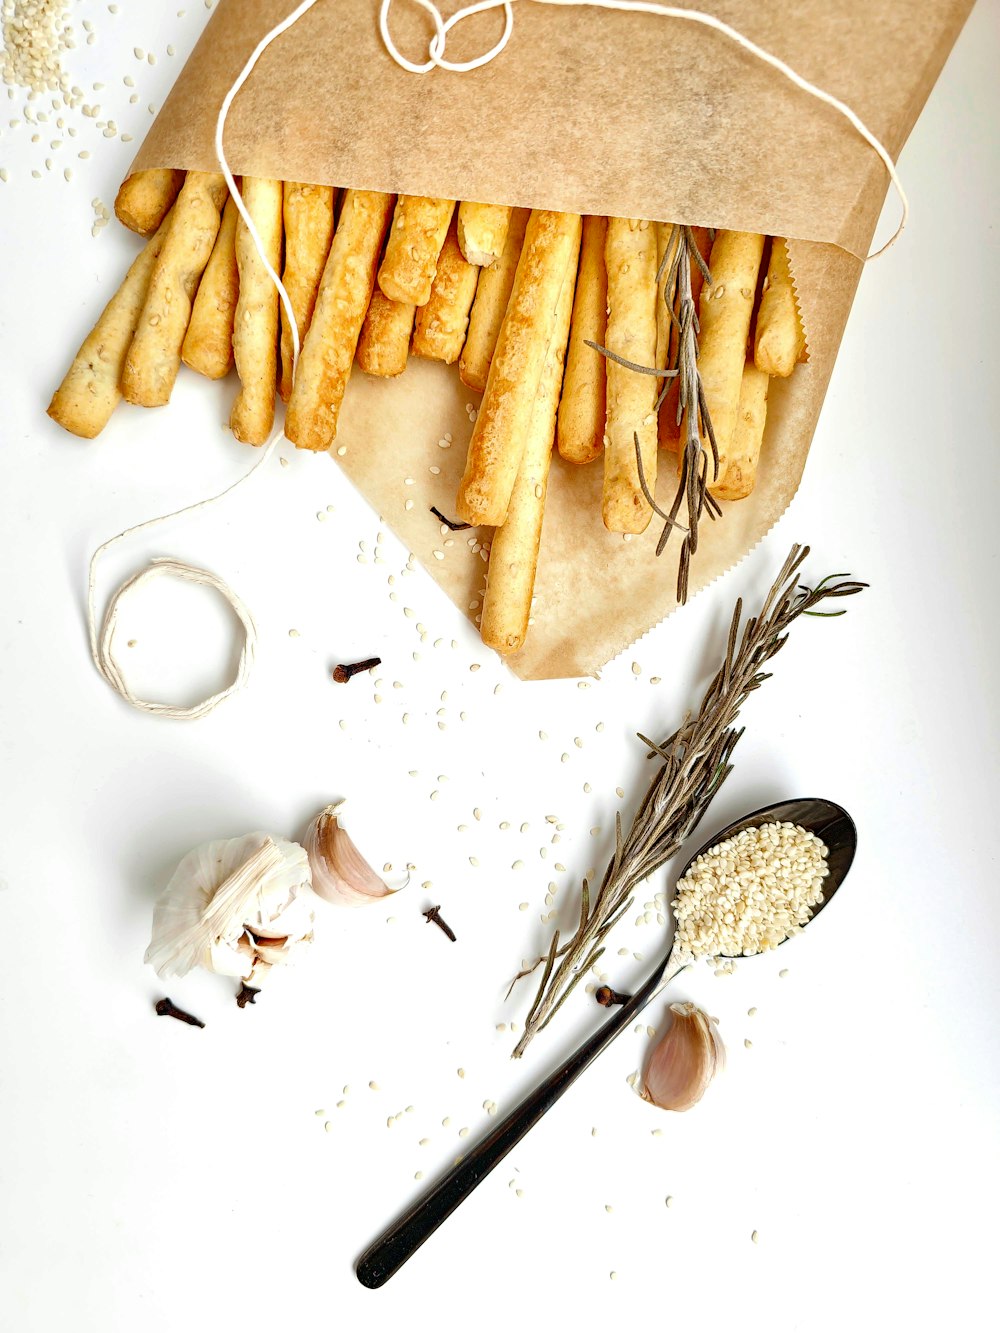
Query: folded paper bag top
[{"x": 585, "y": 110}]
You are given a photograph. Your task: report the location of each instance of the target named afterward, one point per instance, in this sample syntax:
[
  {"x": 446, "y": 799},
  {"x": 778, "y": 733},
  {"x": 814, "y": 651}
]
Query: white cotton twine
[{"x": 102, "y": 649}]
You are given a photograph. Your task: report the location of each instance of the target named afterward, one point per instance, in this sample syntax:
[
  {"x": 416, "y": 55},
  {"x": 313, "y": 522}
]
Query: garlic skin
[
  {"x": 237, "y": 906},
  {"x": 684, "y": 1061},
  {"x": 340, "y": 874}
]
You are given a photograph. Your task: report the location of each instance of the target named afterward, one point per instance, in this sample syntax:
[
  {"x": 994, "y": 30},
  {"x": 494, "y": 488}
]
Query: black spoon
[{"x": 398, "y": 1242}]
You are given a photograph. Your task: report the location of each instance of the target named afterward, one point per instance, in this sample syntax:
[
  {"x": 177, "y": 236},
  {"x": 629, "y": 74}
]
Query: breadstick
[
  {"x": 482, "y": 232},
  {"x": 154, "y": 358},
  {"x": 91, "y": 389},
  {"x": 505, "y": 413},
  {"x": 741, "y": 475},
  {"x": 255, "y": 327},
  {"x": 144, "y": 199},
  {"x": 308, "y": 219},
  {"x": 344, "y": 293},
  {"x": 384, "y": 344},
  {"x": 630, "y": 254},
  {"x": 490, "y": 306},
  {"x": 779, "y": 341},
  {"x": 725, "y": 311},
  {"x": 208, "y": 343},
  {"x": 580, "y": 433},
  {"x": 439, "y": 332},
  {"x": 670, "y": 428},
  {"x": 514, "y": 553},
  {"x": 419, "y": 226}
]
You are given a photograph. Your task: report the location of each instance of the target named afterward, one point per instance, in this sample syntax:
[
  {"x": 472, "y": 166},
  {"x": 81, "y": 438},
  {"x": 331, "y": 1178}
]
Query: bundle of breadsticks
[{"x": 568, "y": 326}]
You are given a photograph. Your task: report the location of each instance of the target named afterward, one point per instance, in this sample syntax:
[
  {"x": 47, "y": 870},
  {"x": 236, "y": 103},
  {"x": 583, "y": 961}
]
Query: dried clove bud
[
  {"x": 167, "y": 1009},
  {"x": 684, "y": 1061},
  {"x": 606, "y": 997},
  {"x": 345, "y": 670},
  {"x": 247, "y": 995}
]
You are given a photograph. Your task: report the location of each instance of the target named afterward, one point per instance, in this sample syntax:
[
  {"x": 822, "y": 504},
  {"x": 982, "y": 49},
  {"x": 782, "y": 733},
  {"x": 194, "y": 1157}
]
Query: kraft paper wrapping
[{"x": 586, "y": 111}]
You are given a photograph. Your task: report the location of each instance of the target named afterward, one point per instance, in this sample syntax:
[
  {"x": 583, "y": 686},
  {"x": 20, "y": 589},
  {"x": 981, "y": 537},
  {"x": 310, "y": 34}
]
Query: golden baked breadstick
[
  {"x": 779, "y": 341},
  {"x": 514, "y": 552},
  {"x": 580, "y": 432},
  {"x": 419, "y": 226},
  {"x": 208, "y": 343},
  {"x": 344, "y": 293},
  {"x": 439, "y": 331},
  {"x": 308, "y": 219},
  {"x": 501, "y": 426},
  {"x": 144, "y": 199},
  {"x": 154, "y": 358},
  {"x": 91, "y": 389},
  {"x": 630, "y": 254},
  {"x": 669, "y": 428},
  {"x": 482, "y": 232},
  {"x": 490, "y": 306},
  {"x": 725, "y": 311},
  {"x": 255, "y": 327},
  {"x": 384, "y": 344},
  {"x": 741, "y": 475}
]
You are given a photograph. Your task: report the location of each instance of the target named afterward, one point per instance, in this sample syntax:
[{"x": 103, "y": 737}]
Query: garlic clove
[
  {"x": 340, "y": 874},
  {"x": 684, "y": 1061}
]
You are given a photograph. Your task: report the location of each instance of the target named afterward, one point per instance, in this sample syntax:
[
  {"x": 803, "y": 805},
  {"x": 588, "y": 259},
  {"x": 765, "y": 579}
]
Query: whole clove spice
[
  {"x": 607, "y": 997},
  {"x": 343, "y": 673},
  {"x": 167, "y": 1009},
  {"x": 247, "y": 995},
  {"x": 434, "y": 914}
]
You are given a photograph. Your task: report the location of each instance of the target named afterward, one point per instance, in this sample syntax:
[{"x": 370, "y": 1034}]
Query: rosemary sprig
[
  {"x": 694, "y": 763},
  {"x": 692, "y": 409}
]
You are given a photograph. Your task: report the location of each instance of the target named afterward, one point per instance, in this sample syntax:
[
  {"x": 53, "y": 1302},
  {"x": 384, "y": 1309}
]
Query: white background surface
[{"x": 158, "y": 1177}]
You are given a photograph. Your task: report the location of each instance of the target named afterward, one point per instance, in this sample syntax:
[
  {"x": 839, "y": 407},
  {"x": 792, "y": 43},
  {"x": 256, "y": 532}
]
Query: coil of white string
[{"x": 102, "y": 646}]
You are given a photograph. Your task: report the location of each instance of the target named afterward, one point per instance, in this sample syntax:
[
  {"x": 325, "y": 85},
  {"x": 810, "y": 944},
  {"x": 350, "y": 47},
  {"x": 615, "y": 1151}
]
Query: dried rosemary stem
[{"x": 694, "y": 763}]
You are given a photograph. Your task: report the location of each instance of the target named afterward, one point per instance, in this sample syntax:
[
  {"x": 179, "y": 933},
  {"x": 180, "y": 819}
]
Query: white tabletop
[{"x": 161, "y": 1178}]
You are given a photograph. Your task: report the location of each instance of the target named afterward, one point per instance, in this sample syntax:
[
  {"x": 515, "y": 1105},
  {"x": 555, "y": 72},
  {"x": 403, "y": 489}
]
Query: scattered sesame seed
[
  {"x": 753, "y": 1236},
  {"x": 373, "y": 1085}
]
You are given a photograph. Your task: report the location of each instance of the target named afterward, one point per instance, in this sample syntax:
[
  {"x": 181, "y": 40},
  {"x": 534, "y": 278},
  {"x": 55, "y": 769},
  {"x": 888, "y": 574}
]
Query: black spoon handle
[{"x": 405, "y": 1236}]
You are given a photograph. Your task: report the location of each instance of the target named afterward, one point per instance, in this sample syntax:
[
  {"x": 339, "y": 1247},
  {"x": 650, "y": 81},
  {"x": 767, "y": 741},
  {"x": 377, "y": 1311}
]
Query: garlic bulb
[
  {"x": 340, "y": 874},
  {"x": 684, "y": 1061},
  {"x": 236, "y": 906}
]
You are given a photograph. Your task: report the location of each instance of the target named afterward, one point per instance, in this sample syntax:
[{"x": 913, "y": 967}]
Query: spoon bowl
[
  {"x": 398, "y": 1242},
  {"x": 831, "y": 824}
]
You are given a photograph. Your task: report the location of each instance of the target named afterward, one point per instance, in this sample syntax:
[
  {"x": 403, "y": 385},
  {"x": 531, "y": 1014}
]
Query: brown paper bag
[{"x": 587, "y": 111}]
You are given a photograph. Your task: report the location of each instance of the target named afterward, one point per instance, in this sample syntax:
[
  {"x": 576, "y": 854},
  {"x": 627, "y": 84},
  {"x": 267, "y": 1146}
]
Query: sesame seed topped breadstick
[
  {"x": 748, "y": 435},
  {"x": 208, "y": 343},
  {"x": 580, "y": 433},
  {"x": 419, "y": 226},
  {"x": 490, "y": 306},
  {"x": 384, "y": 345},
  {"x": 439, "y": 331},
  {"x": 145, "y": 197},
  {"x": 725, "y": 312},
  {"x": 344, "y": 293},
  {"x": 308, "y": 224},
  {"x": 514, "y": 551},
  {"x": 501, "y": 426},
  {"x": 91, "y": 389},
  {"x": 255, "y": 328},
  {"x": 779, "y": 341},
  {"x": 630, "y": 254},
  {"x": 154, "y": 358},
  {"x": 482, "y": 232}
]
